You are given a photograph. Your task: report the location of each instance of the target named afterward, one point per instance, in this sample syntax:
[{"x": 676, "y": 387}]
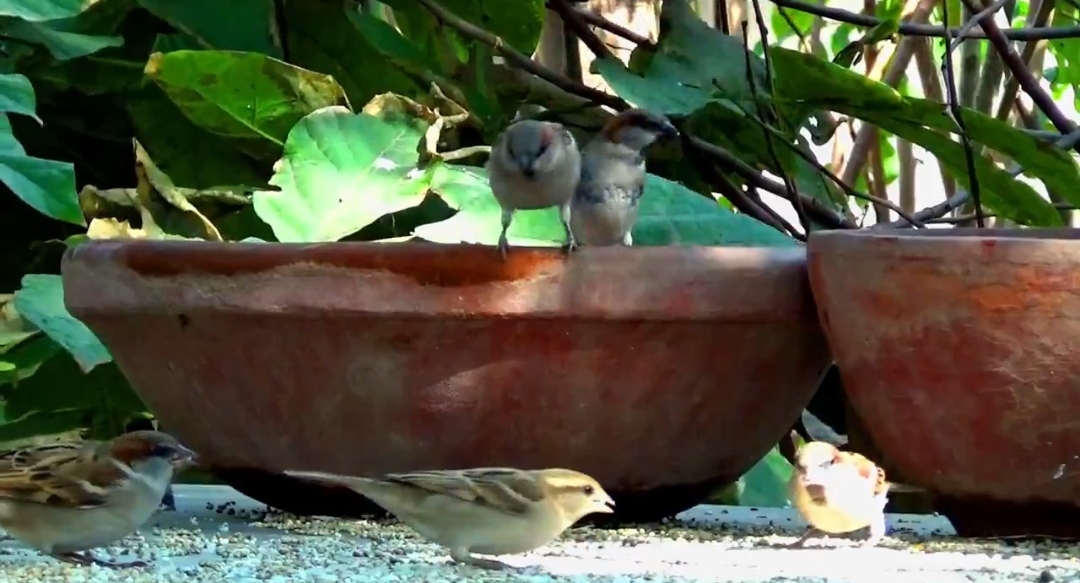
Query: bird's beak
[
  {"x": 670, "y": 131},
  {"x": 184, "y": 456},
  {"x": 604, "y": 504}
]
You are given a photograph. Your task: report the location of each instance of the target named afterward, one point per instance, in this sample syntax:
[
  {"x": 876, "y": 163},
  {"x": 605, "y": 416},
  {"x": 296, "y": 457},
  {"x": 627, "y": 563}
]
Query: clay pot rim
[
  {"x": 459, "y": 280},
  {"x": 954, "y": 234},
  {"x": 993, "y": 248}
]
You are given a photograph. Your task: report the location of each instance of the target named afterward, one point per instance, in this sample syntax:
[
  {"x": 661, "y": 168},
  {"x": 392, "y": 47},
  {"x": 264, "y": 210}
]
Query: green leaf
[
  {"x": 28, "y": 355},
  {"x": 17, "y": 96},
  {"x": 41, "y": 301},
  {"x": 387, "y": 40},
  {"x": 694, "y": 64},
  {"x": 247, "y": 97},
  {"x": 170, "y": 138},
  {"x": 340, "y": 172},
  {"x": 804, "y": 82},
  {"x": 236, "y": 25},
  {"x": 103, "y": 394},
  {"x": 765, "y": 485},
  {"x": 62, "y": 44},
  {"x": 46, "y": 185},
  {"x": 323, "y": 38},
  {"x": 670, "y": 214},
  {"x": 478, "y": 220},
  {"x": 517, "y": 23},
  {"x": 34, "y": 424},
  {"x": 37, "y": 10}
]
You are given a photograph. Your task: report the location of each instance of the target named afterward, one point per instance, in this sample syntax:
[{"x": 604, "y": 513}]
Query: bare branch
[{"x": 1022, "y": 34}]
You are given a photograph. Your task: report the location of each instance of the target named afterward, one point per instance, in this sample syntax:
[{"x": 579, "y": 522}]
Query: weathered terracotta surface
[
  {"x": 661, "y": 371},
  {"x": 958, "y": 351}
]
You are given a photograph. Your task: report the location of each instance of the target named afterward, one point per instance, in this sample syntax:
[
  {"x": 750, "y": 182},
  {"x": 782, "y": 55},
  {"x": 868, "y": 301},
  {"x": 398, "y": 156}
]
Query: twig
[
  {"x": 931, "y": 82},
  {"x": 1008, "y": 96},
  {"x": 840, "y": 15},
  {"x": 1067, "y": 142},
  {"x": 796, "y": 202},
  {"x": 1023, "y": 76},
  {"x": 890, "y": 71},
  {"x": 575, "y": 22},
  {"x": 815, "y": 209},
  {"x": 521, "y": 61},
  {"x": 1061, "y": 206},
  {"x": 905, "y": 153},
  {"x": 594, "y": 19},
  {"x": 721, "y": 16},
  {"x": 965, "y": 30},
  {"x": 957, "y": 114}
]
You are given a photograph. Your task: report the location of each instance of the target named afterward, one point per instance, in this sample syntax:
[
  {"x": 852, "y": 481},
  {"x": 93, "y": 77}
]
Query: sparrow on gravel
[
  {"x": 838, "y": 492},
  {"x": 605, "y": 204},
  {"x": 66, "y": 498},
  {"x": 534, "y": 165},
  {"x": 492, "y": 511}
]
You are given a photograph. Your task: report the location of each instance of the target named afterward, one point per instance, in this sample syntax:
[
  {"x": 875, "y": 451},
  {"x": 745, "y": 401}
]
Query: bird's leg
[
  {"x": 507, "y": 218},
  {"x": 564, "y": 214},
  {"x": 169, "y": 499},
  {"x": 464, "y": 557},
  {"x": 628, "y": 239},
  {"x": 810, "y": 533},
  {"x": 877, "y": 531},
  {"x": 86, "y": 560}
]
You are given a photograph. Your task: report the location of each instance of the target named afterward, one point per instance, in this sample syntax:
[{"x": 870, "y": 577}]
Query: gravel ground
[{"x": 218, "y": 536}]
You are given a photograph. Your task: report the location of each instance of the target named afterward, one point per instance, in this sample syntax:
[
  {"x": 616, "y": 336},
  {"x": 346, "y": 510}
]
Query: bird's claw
[{"x": 504, "y": 247}]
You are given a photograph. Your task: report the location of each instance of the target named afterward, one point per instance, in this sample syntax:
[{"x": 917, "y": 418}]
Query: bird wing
[
  {"x": 73, "y": 475},
  {"x": 504, "y": 489}
]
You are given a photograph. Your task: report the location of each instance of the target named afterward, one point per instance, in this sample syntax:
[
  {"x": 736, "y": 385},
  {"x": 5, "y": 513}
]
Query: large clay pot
[
  {"x": 664, "y": 372},
  {"x": 960, "y": 354}
]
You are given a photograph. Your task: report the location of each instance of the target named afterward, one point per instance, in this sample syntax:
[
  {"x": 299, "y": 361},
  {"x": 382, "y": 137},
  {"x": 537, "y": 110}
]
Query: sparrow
[
  {"x": 605, "y": 204},
  {"x": 838, "y": 492},
  {"x": 534, "y": 165},
  {"x": 491, "y": 511},
  {"x": 69, "y": 497}
]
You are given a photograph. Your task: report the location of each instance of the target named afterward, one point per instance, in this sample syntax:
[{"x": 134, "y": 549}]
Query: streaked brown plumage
[
  {"x": 65, "y": 498},
  {"x": 491, "y": 511}
]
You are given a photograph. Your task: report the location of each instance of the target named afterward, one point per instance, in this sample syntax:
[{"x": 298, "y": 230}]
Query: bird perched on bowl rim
[
  {"x": 534, "y": 165},
  {"x": 491, "y": 511},
  {"x": 68, "y": 497},
  {"x": 839, "y": 492},
  {"x": 605, "y": 204}
]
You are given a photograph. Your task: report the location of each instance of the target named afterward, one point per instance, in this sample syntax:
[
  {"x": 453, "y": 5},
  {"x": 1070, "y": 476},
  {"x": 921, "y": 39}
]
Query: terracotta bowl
[
  {"x": 663, "y": 372},
  {"x": 960, "y": 354}
]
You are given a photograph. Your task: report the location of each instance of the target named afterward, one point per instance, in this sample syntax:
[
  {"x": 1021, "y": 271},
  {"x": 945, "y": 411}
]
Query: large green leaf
[
  {"x": 340, "y": 172},
  {"x": 170, "y": 138},
  {"x": 323, "y": 38},
  {"x": 236, "y": 25},
  {"x": 478, "y": 220},
  {"x": 765, "y": 485},
  {"x": 803, "y": 81},
  {"x": 46, "y": 185},
  {"x": 247, "y": 97},
  {"x": 41, "y": 301},
  {"x": 698, "y": 72},
  {"x": 17, "y": 96},
  {"x": 103, "y": 395},
  {"x": 518, "y": 23},
  {"x": 62, "y": 43},
  {"x": 670, "y": 214},
  {"x": 38, "y": 10}
]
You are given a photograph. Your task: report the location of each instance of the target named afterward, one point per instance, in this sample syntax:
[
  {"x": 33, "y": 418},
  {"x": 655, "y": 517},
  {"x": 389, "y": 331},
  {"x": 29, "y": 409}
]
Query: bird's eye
[
  {"x": 588, "y": 490},
  {"x": 161, "y": 450}
]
